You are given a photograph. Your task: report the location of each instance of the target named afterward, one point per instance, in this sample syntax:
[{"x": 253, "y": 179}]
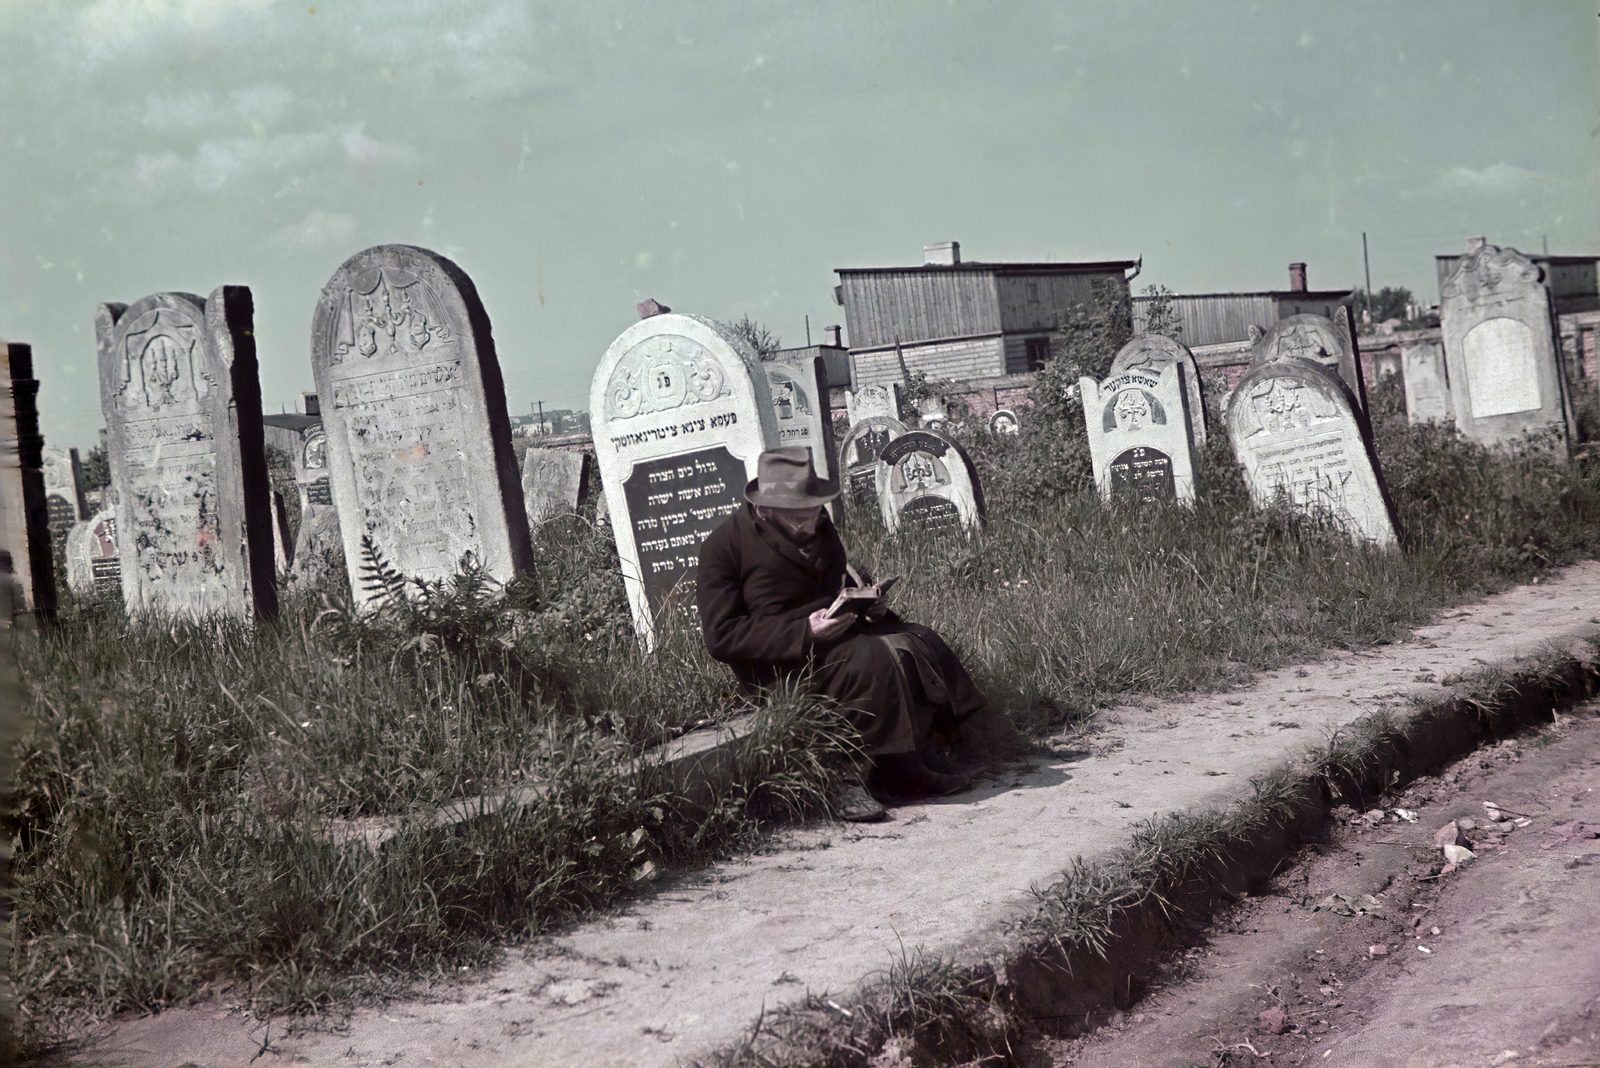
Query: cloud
[
  {"x": 369, "y": 151},
  {"x": 263, "y": 103},
  {"x": 318, "y": 230},
  {"x": 1499, "y": 177},
  {"x": 107, "y": 28}
]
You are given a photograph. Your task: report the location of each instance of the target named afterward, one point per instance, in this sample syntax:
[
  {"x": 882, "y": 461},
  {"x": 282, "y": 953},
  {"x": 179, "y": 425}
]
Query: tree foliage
[
  {"x": 764, "y": 341},
  {"x": 1390, "y": 302}
]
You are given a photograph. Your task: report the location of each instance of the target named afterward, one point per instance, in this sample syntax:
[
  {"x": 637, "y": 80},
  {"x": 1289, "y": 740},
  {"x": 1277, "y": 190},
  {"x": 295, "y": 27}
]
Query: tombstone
[
  {"x": 1294, "y": 427},
  {"x": 933, "y": 411},
  {"x": 1427, "y": 383},
  {"x": 1141, "y": 437},
  {"x": 858, "y": 455},
  {"x": 318, "y": 536},
  {"x": 1152, "y": 352},
  {"x": 63, "y": 493},
  {"x": 554, "y": 482},
  {"x": 800, "y": 407},
  {"x": 682, "y": 413},
  {"x": 282, "y": 543},
  {"x": 25, "y": 551},
  {"x": 926, "y": 481},
  {"x": 1004, "y": 423},
  {"x": 1330, "y": 343},
  {"x": 418, "y": 441},
  {"x": 94, "y": 567},
  {"x": 1506, "y": 372},
  {"x": 872, "y": 402}
]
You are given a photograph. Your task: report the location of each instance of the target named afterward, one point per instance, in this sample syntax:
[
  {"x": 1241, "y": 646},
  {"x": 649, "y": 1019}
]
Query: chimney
[
  {"x": 831, "y": 337},
  {"x": 943, "y": 254},
  {"x": 309, "y": 405},
  {"x": 650, "y": 306},
  {"x": 1297, "y": 278}
]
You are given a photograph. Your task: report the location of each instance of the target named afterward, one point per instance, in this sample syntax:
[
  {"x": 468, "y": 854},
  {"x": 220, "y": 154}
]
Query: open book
[{"x": 861, "y": 599}]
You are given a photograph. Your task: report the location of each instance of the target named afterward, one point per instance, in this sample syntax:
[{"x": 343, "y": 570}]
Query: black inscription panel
[
  {"x": 675, "y": 502},
  {"x": 1143, "y": 474},
  {"x": 931, "y": 513},
  {"x": 319, "y": 492}
]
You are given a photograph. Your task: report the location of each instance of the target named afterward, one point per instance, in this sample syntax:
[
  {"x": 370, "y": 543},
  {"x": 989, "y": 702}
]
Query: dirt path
[
  {"x": 1496, "y": 963},
  {"x": 689, "y": 967}
]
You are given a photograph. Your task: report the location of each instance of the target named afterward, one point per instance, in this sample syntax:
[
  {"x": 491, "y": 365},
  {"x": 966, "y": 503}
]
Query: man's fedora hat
[{"x": 784, "y": 479}]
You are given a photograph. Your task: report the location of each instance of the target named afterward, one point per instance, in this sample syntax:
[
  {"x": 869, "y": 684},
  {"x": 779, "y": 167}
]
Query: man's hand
[{"x": 826, "y": 629}]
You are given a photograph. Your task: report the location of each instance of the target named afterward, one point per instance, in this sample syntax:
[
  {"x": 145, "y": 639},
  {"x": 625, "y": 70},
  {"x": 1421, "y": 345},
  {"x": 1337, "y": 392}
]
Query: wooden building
[{"x": 1217, "y": 326}]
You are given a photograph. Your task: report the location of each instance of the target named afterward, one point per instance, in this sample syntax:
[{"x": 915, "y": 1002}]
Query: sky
[{"x": 726, "y": 156}]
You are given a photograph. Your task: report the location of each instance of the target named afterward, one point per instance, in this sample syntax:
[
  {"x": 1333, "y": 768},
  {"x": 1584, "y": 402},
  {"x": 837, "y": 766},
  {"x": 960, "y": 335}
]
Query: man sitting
[{"x": 767, "y": 578}]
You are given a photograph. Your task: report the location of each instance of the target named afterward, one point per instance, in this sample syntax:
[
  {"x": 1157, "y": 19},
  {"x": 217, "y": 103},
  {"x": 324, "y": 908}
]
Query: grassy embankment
[{"x": 172, "y": 800}]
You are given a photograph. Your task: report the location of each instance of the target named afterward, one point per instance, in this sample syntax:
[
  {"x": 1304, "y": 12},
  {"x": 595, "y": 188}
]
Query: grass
[{"x": 171, "y": 799}]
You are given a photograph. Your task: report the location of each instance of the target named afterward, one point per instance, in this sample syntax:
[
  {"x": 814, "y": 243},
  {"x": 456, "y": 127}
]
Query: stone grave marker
[
  {"x": 318, "y": 535},
  {"x": 1004, "y": 423},
  {"x": 1295, "y": 430},
  {"x": 926, "y": 481},
  {"x": 1427, "y": 383},
  {"x": 858, "y": 455},
  {"x": 94, "y": 568},
  {"x": 418, "y": 441},
  {"x": 1141, "y": 440},
  {"x": 25, "y": 550},
  {"x": 682, "y": 413},
  {"x": 1328, "y": 342},
  {"x": 800, "y": 406},
  {"x": 182, "y": 403},
  {"x": 873, "y": 402},
  {"x": 63, "y": 492},
  {"x": 1153, "y": 352},
  {"x": 1506, "y": 371},
  {"x": 554, "y": 482}
]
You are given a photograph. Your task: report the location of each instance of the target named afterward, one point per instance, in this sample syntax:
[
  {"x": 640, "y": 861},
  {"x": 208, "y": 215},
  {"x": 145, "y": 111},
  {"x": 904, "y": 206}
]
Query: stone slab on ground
[{"x": 823, "y": 908}]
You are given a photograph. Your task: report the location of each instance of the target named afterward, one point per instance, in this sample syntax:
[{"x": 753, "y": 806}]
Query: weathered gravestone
[
  {"x": 1427, "y": 383},
  {"x": 63, "y": 491},
  {"x": 1505, "y": 370},
  {"x": 418, "y": 446},
  {"x": 682, "y": 413},
  {"x": 94, "y": 568},
  {"x": 800, "y": 408},
  {"x": 926, "y": 481},
  {"x": 1141, "y": 438},
  {"x": 554, "y": 482},
  {"x": 25, "y": 551},
  {"x": 318, "y": 548},
  {"x": 1329, "y": 343},
  {"x": 1153, "y": 353},
  {"x": 1297, "y": 435},
  {"x": 182, "y": 403},
  {"x": 872, "y": 401},
  {"x": 1004, "y": 423},
  {"x": 858, "y": 455}
]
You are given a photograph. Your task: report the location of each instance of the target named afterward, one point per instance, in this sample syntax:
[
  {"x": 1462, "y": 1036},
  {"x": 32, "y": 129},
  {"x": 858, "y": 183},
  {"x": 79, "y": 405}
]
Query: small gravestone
[
  {"x": 1295, "y": 430},
  {"x": 1153, "y": 352},
  {"x": 94, "y": 568},
  {"x": 1004, "y": 423},
  {"x": 63, "y": 494},
  {"x": 1427, "y": 383},
  {"x": 1329, "y": 343},
  {"x": 1141, "y": 439},
  {"x": 926, "y": 481},
  {"x": 554, "y": 482},
  {"x": 682, "y": 413},
  {"x": 25, "y": 549},
  {"x": 318, "y": 548},
  {"x": 1506, "y": 372},
  {"x": 800, "y": 407},
  {"x": 858, "y": 455},
  {"x": 418, "y": 449},
  {"x": 182, "y": 403},
  {"x": 870, "y": 402}
]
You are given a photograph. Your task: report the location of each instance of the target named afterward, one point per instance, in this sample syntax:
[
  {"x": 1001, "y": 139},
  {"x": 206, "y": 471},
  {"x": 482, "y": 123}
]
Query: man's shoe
[
  {"x": 905, "y": 775},
  {"x": 857, "y": 806}
]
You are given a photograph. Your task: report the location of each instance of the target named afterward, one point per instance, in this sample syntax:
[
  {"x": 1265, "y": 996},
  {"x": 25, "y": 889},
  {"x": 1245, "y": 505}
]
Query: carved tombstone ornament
[
  {"x": 926, "y": 481},
  {"x": 182, "y": 404},
  {"x": 1153, "y": 352},
  {"x": 418, "y": 442},
  {"x": 1295, "y": 430},
  {"x": 681, "y": 413},
  {"x": 1506, "y": 372},
  {"x": 1330, "y": 343},
  {"x": 1141, "y": 438}
]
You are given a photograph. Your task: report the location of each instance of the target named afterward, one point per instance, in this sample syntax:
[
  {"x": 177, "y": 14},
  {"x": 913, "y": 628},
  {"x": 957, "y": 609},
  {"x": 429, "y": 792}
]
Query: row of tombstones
[{"x": 419, "y": 468}]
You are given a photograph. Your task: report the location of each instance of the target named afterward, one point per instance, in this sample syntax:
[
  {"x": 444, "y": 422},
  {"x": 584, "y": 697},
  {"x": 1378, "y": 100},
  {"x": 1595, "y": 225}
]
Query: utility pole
[
  {"x": 541, "y": 419},
  {"x": 1368, "y": 263},
  {"x": 808, "y": 326}
]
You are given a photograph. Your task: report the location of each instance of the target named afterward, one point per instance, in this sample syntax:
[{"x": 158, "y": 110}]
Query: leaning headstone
[
  {"x": 926, "y": 481},
  {"x": 1153, "y": 352},
  {"x": 1505, "y": 370},
  {"x": 419, "y": 457},
  {"x": 800, "y": 407},
  {"x": 554, "y": 482},
  {"x": 1141, "y": 438},
  {"x": 94, "y": 568},
  {"x": 1330, "y": 343},
  {"x": 25, "y": 550},
  {"x": 1427, "y": 383},
  {"x": 682, "y": 413},
  {"x": 182, "y": 404},
  {"x": 859, "y": 452},
  {"x": 1296, "y": 433}
]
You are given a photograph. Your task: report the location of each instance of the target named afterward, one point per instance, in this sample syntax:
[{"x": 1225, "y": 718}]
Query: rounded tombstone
[
  {"x": 926, "y": 480},
  {"x": 1004, "y": 423},
  {"x": 1155, "y": 352},
  {"x": 859, "y": 451}
]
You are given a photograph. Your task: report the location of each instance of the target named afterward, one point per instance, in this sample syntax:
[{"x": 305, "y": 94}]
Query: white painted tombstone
[
  {"x": 926, "y": 481},
  {"x": 554, "y": 482},
  {"x": 1427, "y": 383},
  {"x": 418, "y": 446},
  {"x": 800, "y": 407},
  {"x": 681, "y": 413},
  {"x": 858, "y": 455},
  {"x": 1330, "y": 343},
  {"x": 1004, "y": 423},
  {"x": 1295, "y": 431},
  {"x": 1141, "y": 438},
  {"x": 1153, "y": 352},
  {"x": 182, "y": 403},
  {"x": 1505, "y": 369},
  {"x": 94, "y": 567}
]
